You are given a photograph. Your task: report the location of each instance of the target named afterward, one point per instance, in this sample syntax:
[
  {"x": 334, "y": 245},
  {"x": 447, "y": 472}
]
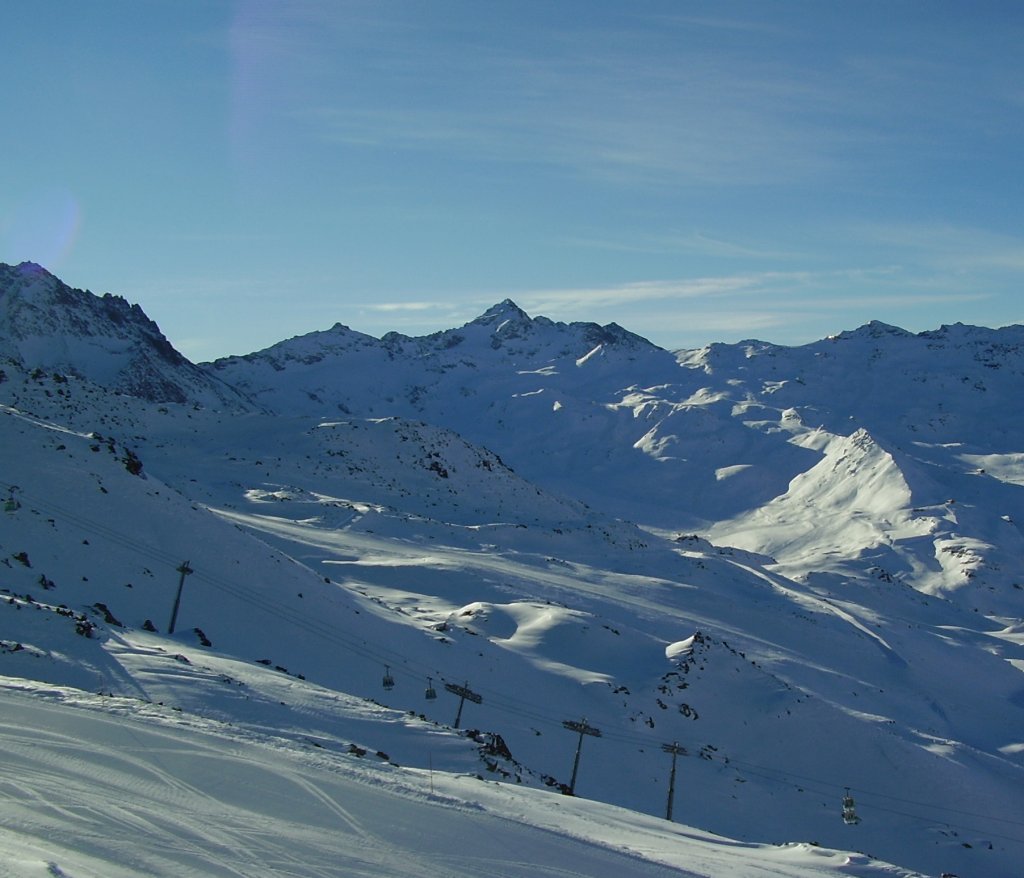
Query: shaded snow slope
[
  {"x": 686, "y": 442},
  {"x": 825, "y": 591},
  {"x": 109, "y": 788},
  {"x": 45, "y": 324},
  {"x": 328, "y": 553}
]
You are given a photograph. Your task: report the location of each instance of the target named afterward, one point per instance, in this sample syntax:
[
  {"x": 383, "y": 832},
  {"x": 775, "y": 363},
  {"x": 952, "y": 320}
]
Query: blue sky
[{"x": 697, "y": 172}]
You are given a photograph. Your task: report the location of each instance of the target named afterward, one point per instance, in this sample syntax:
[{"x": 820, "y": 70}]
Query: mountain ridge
[
  {"x": 845, "y": 610},
  {"x": 48, "y": 324}
]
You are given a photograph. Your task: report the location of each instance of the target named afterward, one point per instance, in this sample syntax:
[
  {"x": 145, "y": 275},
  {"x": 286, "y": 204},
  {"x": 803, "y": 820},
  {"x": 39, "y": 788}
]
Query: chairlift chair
[
  {"x": 849, "y": 810},
  {"x": 431, "y": 693},
  {"x": 388, "y": 681}
]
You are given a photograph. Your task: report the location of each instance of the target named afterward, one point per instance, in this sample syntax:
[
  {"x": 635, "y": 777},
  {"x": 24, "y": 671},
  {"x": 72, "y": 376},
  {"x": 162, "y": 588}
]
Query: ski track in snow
[
  {"x": 826, "y": 590},
  {"x": 99, "y": 794}
]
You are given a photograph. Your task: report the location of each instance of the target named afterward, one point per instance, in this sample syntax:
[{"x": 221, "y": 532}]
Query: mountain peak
[
  {"x": 504, "y": 310},
  {"x": 47, "y": 324},
  {"x": 30, "y": 269},
  {"x": 21, "y": 276},
  {"x": 876, "y": 329}
]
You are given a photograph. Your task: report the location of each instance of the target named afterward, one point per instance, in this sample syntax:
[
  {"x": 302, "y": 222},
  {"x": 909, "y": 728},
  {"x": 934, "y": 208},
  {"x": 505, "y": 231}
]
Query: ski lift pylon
[{"x": 388, "y": 681}]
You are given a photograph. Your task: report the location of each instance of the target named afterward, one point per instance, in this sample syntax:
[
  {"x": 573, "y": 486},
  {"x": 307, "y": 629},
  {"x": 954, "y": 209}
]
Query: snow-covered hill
[{"x": 501, "y": 507}]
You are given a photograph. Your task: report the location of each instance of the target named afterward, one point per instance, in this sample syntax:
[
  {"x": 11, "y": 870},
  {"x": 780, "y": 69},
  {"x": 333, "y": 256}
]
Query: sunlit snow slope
[{"x": 801, "y": 576}]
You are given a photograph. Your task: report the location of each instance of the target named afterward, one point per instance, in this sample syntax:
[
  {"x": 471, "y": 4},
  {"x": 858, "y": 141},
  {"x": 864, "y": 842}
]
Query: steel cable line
[
  {"x": 303, "y": 622},
  {"x": 869, "y": 794},
  {"x": 793, "y": 778},
  {"x": 96, "y": 527},
  {"x": 154, "y": 553},
  {"x": 498, "y": 700}
]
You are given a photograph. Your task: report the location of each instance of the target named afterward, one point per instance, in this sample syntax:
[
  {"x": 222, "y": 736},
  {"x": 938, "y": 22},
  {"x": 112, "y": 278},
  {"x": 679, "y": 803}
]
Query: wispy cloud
[
  {"x": 948, "y": 246},
  {"x": 740, "y": 294},
  {"x": 582, "y": 98},
  {"x": 401, "y": 307},
  {"x": 627, "y": 97},
  {"x": 689, "y": 242},
  {"x": 742, "y": 25},
  {"x": 678, "y": 330},
  {"x": 687, "y": 311},
  {"x": 577, "y": 300}
]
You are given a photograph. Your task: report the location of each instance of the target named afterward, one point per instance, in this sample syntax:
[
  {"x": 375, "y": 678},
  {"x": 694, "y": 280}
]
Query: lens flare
[{"x": 42, "y": 229}]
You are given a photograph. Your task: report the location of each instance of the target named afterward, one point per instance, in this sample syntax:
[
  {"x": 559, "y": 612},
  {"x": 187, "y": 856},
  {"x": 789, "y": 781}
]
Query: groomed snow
[
  {"x": 824, "y": 591},
  {"x": 102, "y": 787}
]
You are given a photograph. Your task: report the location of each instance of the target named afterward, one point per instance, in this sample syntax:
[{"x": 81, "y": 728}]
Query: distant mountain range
[{"x": 805, "y": 563}]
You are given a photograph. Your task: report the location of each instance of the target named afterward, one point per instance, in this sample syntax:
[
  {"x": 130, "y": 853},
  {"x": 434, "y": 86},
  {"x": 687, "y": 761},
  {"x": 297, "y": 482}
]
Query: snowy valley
[{"x": 788, "y": 573}]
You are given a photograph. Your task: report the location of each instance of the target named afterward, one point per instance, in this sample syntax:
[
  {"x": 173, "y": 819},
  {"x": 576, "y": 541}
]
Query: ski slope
[
  {"x": 845, "y": 612},
  {"x": 103, "y": 787}
]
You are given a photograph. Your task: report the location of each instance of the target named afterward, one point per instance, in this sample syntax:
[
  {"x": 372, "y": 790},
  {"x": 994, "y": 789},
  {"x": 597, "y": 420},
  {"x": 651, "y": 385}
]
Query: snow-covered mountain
[
  {"x": 742, "y": 442},
  {"x": 46, "y": 324},
  {"x": 800, "y": 566}
]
